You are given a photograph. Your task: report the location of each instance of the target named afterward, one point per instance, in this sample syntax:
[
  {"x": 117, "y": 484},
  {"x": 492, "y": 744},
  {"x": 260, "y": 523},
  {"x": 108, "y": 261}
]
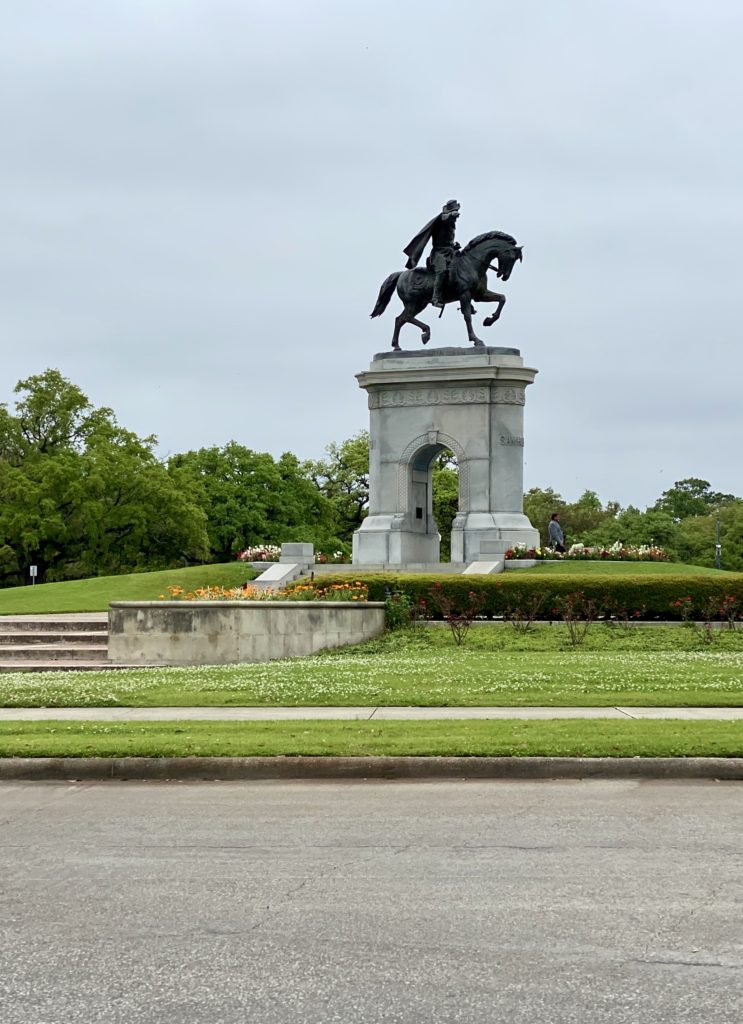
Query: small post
[{"x": 718, "y": 546}]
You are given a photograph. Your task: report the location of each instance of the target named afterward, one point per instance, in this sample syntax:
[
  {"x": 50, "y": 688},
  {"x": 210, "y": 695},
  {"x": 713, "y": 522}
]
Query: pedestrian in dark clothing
[{"x": 555, "y": 535}]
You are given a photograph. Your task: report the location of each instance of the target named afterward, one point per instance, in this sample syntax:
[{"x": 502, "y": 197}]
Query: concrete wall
[{"x": 229, "y": 632}]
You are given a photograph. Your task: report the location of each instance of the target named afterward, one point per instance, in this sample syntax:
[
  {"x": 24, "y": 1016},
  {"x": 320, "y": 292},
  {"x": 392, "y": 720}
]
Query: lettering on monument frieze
[
  {"x": 509, "y": 395},
  {"x": 426, "y": 396},
  {"x": 509, "y": 439}
]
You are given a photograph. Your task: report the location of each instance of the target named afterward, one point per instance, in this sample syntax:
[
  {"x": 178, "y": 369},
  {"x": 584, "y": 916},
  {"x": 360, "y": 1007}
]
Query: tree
[
  {"x": 579, "y": 519},
  {"x": 445, "y": 488},
  {"x": 249, "y": 499},
  {"x": 52, "y": 415},
  {"x": 539, "y": 504},
  {"x": 80, "y": 495},
  {"x": 691, "y": 497},
  {"x": 586, "y": 514},
  {"x": 698, "y": 535},
  {"x": 343, "y": 478},
  {"x": 633, "y": 527}
]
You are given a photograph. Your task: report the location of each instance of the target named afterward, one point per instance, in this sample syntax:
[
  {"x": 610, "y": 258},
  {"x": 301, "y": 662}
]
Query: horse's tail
[{"x": 385, "y": 294}]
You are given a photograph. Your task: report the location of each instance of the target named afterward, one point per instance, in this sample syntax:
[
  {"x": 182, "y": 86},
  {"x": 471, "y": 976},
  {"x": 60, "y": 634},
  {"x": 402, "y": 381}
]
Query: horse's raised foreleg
[
  {"x": 424, "y": 329},
  {"x": 466, "y": 307},
  {"x": 488, "y": 296}
]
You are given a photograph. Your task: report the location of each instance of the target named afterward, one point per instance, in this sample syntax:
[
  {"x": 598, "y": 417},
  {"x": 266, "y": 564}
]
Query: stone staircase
[{"x": 54, "y": 643}]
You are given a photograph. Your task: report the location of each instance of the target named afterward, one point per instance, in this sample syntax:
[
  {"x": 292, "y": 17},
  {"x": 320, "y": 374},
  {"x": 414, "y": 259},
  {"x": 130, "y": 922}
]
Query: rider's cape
[{"x": 414, "y": 250}]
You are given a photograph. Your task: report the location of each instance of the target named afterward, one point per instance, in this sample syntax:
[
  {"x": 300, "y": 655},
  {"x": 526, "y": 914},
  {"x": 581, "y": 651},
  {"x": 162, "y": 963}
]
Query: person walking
[{"x": 555, "y": 535}]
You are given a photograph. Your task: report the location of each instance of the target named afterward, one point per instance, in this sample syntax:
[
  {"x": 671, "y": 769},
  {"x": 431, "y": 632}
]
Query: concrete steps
[
  {"x": 62, "y": 622},
  {"x": 38, "y": 637},
  {"x": 39, "y": 643}
]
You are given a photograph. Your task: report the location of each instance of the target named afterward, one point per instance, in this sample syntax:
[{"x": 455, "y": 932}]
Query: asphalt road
[{"x": 418, "y": 903}]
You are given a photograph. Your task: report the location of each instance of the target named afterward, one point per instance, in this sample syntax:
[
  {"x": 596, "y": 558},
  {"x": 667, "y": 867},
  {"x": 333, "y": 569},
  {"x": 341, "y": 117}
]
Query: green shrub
[
  {"x": 398, "y": 609},
  {"x": 652, "y": 596}
]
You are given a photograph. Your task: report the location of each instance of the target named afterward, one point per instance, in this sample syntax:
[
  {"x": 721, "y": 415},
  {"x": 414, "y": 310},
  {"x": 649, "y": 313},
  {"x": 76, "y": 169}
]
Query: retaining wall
[{"x": 232, "y": 632}]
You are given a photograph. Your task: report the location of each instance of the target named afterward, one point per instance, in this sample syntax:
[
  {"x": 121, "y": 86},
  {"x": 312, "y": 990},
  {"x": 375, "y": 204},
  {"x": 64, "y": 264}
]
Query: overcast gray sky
[{"x": 201, "y": 198}]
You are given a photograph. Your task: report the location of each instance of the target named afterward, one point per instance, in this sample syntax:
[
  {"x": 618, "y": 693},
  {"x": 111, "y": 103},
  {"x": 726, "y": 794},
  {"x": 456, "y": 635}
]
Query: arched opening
[
  {"x": 433, "y": 490},
  {"x": 445, "y": 485},
  {"x": 420, "y": 493}
]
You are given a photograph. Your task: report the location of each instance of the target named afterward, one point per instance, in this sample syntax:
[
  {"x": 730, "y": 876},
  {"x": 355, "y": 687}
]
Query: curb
[{"x": 342, "y": 768}]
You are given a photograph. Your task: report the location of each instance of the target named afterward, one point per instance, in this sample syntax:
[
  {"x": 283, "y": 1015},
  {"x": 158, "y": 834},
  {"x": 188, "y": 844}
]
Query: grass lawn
[
  {"x": 597, "y": 738},
  {"x": 95, "y": 594},
  {"x": 577, "y": 565},
  {"x": 643, "y": 665}
]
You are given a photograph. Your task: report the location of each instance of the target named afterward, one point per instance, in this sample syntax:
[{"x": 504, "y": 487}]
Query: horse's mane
[{"x": 501, "y": 235}]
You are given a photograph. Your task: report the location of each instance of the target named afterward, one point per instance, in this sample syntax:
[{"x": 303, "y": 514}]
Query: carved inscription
[
  {"x": 509, "y": 395},
  {"x": 509, "y": 439},
  {"x": 426, "y": 396}
]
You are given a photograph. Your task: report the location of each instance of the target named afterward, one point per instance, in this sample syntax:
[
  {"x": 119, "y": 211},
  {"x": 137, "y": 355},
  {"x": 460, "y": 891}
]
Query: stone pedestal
[{"x": 470, "y": 401}]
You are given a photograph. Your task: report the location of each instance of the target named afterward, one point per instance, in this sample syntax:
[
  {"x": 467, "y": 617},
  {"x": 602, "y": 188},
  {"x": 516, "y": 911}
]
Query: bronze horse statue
[{"x": 466, "y": 280}]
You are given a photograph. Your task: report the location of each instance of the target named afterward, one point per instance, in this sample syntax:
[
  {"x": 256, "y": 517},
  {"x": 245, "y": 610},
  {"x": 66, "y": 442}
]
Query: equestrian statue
[{"x": 452, "y": 274}]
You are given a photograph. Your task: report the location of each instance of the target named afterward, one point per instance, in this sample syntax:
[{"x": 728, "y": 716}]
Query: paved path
[
  {"x": 81, "y": 617},
  {"x": 283, "y": 714},
  {"x": 609, "y": 902}
]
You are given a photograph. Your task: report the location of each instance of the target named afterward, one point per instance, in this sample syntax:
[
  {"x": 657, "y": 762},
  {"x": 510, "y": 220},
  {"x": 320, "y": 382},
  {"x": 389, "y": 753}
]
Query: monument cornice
[{"x": 467, "y": 376}]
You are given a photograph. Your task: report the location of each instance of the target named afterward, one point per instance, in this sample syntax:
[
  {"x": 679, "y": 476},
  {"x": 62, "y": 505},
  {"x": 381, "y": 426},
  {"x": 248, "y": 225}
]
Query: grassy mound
[
  {"x": 95, "y": 594},
  {"x": 579, "y": 566}
]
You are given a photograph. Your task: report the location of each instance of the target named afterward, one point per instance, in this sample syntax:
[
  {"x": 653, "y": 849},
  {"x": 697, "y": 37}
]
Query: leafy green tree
[
  {"x": 343, "y": 478},
  {"x": 586, "y": 514},
  {"x": 51, "y": 415},
  {"x": 250, "y": 499},
  {"x": 698, "y": 534},
  {"x": 691, "y": 497},
  {"x": 445, "y": 488},
  {"x": 633, "y": 527},
  {"x": 80, "y": 495},
  {"x": 579, "y": 519},
  {"x": 539, "y": 504}
]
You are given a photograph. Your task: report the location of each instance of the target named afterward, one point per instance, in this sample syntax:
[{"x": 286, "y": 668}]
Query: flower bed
[
  {"x": 617, "y": 552},
  {"x": 522, "y": 553},
  {"x": 272, "y": 553},
  {"x": 260, "y": 553},
  {"x": 340, "y": 591}
]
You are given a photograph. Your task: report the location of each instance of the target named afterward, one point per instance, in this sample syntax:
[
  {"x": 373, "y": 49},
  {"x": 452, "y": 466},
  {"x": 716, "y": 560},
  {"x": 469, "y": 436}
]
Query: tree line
[{"x": 80, "y": 496}]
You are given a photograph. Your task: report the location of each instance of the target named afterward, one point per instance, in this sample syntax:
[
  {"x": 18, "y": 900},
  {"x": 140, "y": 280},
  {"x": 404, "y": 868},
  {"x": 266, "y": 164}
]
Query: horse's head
[
  {"x": 481, "y": 251},
  {"x": 507, "y": 260}
]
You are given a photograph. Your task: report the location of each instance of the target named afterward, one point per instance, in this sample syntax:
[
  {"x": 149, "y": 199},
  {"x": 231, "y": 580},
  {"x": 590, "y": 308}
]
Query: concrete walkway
[{"x": 284, "y": 714}]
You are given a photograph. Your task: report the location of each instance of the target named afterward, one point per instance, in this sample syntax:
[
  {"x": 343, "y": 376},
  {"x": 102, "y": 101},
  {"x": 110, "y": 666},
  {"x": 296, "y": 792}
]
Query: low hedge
[{"x": 642, "y": 596}]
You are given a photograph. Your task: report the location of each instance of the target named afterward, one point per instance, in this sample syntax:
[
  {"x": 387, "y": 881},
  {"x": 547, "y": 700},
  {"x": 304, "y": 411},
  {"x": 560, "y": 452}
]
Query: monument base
[
  {"x": 481, "y": 535},
  {"x": 384, "y": 538},
  {"x": 469, "y": 402}
]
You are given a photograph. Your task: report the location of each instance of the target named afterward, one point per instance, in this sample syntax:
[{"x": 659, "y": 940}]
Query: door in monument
[
  {"x": 417, "y": 509},
  {"x": 422, "y": 501}
]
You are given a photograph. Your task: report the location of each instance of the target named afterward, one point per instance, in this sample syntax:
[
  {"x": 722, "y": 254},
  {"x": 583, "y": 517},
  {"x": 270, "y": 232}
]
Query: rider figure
[{"x": 440, "y": 231}]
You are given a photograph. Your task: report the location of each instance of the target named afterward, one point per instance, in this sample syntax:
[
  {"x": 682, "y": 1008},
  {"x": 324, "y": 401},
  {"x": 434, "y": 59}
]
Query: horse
[{"x": 466, "y": 280}]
